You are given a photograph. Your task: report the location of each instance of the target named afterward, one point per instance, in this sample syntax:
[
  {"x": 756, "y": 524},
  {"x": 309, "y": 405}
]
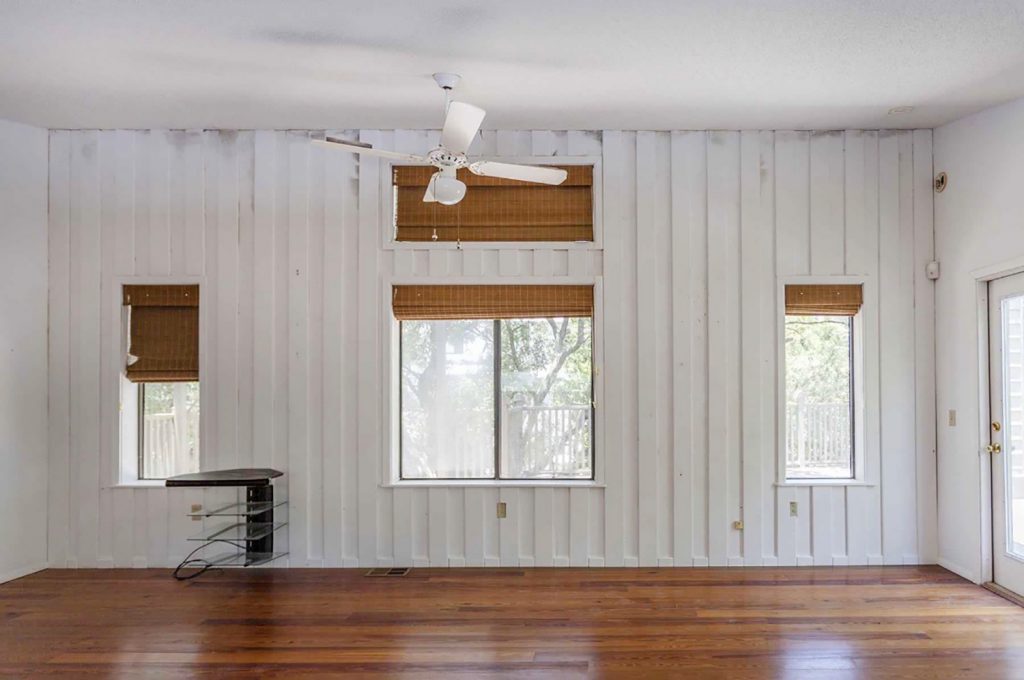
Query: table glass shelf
[
  {"x": 240, "y": 531},
  {"x": 241, "y": 509},
  {"x": 245, "y": 559}
]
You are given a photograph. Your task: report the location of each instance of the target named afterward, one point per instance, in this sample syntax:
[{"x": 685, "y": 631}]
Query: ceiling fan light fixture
[{"x": 447, "y": 190}]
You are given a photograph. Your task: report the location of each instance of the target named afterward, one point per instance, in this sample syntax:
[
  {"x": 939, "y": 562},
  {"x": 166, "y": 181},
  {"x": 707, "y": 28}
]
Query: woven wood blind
[
  {"x": 496, "y": 209},
  {"x": 824, "y": 300},
  {"x": 491, "y": 302},
  {"x": 163, "y": 341}
]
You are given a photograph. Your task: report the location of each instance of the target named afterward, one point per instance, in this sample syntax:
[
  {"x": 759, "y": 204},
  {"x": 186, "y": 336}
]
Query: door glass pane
[
  {"x": 546, "y": 398},
  {"x": 1013, "y": 420},
  {"x": 819, "y": 397},
  {"x": 447, "y": 413},
  {"x": 170, "y": 429}
]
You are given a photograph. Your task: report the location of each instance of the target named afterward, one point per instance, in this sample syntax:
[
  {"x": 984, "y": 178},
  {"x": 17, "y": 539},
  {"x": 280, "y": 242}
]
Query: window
[
  {"x": 495, "y": 209},
  {"x": 820, "y": 374},
  {"x": 168, "y": 429},
  {"x": 506, "y": 396},
  {"x": 160, "y": 382}
]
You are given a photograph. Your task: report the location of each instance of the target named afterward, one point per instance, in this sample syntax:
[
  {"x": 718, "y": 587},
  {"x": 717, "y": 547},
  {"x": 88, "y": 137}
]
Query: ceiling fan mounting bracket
[
  {"x": 447, "y": 81},
  {"x": 442, "y": 158}
]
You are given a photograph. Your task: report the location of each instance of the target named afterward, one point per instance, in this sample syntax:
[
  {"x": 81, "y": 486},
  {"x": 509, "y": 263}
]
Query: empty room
[{"x": 455, "y": 339}]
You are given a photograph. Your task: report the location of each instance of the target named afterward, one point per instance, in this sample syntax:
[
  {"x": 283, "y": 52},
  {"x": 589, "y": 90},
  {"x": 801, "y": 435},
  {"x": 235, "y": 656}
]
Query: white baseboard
[
  {"x": 12, "y": 574},
  {"x": 959, "y": 570}
]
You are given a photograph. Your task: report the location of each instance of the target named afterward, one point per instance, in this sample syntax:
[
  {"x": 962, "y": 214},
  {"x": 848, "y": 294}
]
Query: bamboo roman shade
[
  {"x": 491, "y": 302},
  {"x": 496, "y": 209},
  {"x": 163, "y": 340},
  {"x": 824, "y": 299}
]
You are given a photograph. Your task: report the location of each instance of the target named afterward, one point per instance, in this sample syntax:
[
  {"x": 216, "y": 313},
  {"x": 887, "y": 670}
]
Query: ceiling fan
[{"x": 461, "y": 123}]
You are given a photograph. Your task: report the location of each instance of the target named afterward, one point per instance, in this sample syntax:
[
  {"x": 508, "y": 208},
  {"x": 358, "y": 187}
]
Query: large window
[
  {"x": 160, "y": 393},
  {"x": 819, "y": 381},
  {"x": 508, "y": 397}
]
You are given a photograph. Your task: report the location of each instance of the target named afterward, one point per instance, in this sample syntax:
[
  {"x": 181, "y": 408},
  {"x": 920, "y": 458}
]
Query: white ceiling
[{"x": 533, "y": 64}]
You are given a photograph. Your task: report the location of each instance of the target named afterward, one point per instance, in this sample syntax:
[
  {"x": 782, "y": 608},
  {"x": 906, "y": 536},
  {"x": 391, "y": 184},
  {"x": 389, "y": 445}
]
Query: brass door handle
[{"x": 994, "y": 448}]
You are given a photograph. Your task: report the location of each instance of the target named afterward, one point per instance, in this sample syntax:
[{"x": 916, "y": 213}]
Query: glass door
[{"x": 1006, "y": 433}]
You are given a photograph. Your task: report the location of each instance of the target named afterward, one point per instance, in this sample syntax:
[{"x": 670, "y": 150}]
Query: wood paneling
[
  {"x": 288, "y": 240},
  {"x": 836, "y": 623}
]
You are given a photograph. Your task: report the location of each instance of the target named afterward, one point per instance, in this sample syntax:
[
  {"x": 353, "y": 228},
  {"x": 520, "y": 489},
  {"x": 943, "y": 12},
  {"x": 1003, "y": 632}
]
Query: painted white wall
[
  {"x": 978, "y": 224},
  {"x": 697, "y": 228},
  {"x": 23, "y": 280}
]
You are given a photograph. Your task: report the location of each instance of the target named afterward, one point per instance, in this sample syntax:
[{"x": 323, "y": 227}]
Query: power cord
[{"x": 201, "y": 564}]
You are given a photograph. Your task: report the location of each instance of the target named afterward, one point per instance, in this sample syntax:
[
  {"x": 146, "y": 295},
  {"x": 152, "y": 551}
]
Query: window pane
[
  {"x": 447, "y": 399},
  {"x": 819, "y": 426},
  {"x": 170, "y": 429},
  {"x": 546, "y": 397},
  {"x": 1013, "y": 420}
]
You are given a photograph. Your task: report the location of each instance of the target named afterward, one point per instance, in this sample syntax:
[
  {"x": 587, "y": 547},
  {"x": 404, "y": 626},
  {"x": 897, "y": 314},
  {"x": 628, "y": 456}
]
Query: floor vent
[{"x": 388, "y": 571}]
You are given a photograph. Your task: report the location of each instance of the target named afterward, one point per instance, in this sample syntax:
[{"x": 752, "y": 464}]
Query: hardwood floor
[{"x": 836, "y": 623}]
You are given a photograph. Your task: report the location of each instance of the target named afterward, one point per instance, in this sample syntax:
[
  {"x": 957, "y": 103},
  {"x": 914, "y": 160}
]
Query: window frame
[
  {"x": 391, "y": 392},
  {"x": 497, "y": 395},
  {"x": 122, "y": 427},
  {"x": 387, "y": 206},
  {"x": 864, "y": 465}
]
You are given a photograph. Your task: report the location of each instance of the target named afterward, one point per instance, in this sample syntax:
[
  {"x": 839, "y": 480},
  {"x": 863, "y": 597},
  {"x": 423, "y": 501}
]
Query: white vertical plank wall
[{"x": 697, "y": 226}]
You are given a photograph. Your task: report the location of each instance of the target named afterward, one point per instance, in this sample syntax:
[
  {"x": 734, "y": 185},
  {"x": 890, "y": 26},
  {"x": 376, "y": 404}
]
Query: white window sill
[
  {"x": 494, "y": 483},
  {"x": 140, "y": 484},
  {"x": 824, "y": 482},
  {"x": 494, "y": 245}
]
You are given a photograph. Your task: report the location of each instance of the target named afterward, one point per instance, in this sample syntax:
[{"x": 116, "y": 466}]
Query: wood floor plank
[{"x": 802, "y": 623}]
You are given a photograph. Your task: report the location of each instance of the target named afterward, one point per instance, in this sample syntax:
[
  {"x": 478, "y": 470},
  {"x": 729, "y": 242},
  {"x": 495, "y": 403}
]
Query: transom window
[
  {"x": 496, "y": 382},
  {"x": 820, "y": 374},
  {"x": 495, "y": 209}
]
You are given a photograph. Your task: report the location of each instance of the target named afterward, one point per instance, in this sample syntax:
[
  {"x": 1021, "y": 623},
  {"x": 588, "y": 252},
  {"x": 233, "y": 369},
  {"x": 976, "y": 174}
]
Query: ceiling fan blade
[
  {"x": 460, "y": 126},
  {"x": 355, "y": 147},
  {"x": 428, "y": 195},
  {"x": 526, "y": 173}
]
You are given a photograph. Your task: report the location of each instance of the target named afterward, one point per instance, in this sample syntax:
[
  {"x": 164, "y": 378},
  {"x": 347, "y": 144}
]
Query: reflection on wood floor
[{"x": 835, "y": 623}]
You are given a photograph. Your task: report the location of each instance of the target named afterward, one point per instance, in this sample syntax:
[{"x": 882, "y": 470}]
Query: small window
[
  {"x": 505, "y": 397},
  {"x": 820, "y": 375},
  {"x": 495, "y": 209},
  {"x": 160, "y": 382}
]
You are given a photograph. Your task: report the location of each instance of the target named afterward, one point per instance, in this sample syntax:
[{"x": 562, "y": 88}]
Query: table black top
[{"x": 236, "y": 477}]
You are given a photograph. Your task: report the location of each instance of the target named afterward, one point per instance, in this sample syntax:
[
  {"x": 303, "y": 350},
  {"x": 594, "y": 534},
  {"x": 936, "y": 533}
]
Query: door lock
[
  {"x": 994, "y": 448},
  {"x": 996, "y": 425}
]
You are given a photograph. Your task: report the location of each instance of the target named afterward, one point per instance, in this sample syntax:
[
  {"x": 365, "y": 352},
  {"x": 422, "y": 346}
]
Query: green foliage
[
  {"x": 160, "y": 397},
  {"x": 546, "y": 361},
  {"x": 818, "y": 359}
]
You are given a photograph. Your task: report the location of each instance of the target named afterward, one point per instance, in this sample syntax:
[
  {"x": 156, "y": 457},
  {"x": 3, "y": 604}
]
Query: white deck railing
[
  {"x": 818, "y": 436},
  {"x": 166, "y": 444},
  {"x": 540, "y": 442}
]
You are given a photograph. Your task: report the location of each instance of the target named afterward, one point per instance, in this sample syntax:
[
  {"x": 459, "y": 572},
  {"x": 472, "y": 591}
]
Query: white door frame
[{"x": 982, "y": 277}]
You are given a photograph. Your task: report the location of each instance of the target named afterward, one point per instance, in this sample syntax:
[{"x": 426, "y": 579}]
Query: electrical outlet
[
  {"x": 952, "y": 417},
  {"x": 502, "y": 510},
  {"x": 793, "y": 509},
  {"x": 197, "y": 507}
]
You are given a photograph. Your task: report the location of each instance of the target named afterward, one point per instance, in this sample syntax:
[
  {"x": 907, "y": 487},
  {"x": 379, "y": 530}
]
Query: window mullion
[
  {"x": 140, "y": 436},
  {"x": 497, "y": 398}
]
